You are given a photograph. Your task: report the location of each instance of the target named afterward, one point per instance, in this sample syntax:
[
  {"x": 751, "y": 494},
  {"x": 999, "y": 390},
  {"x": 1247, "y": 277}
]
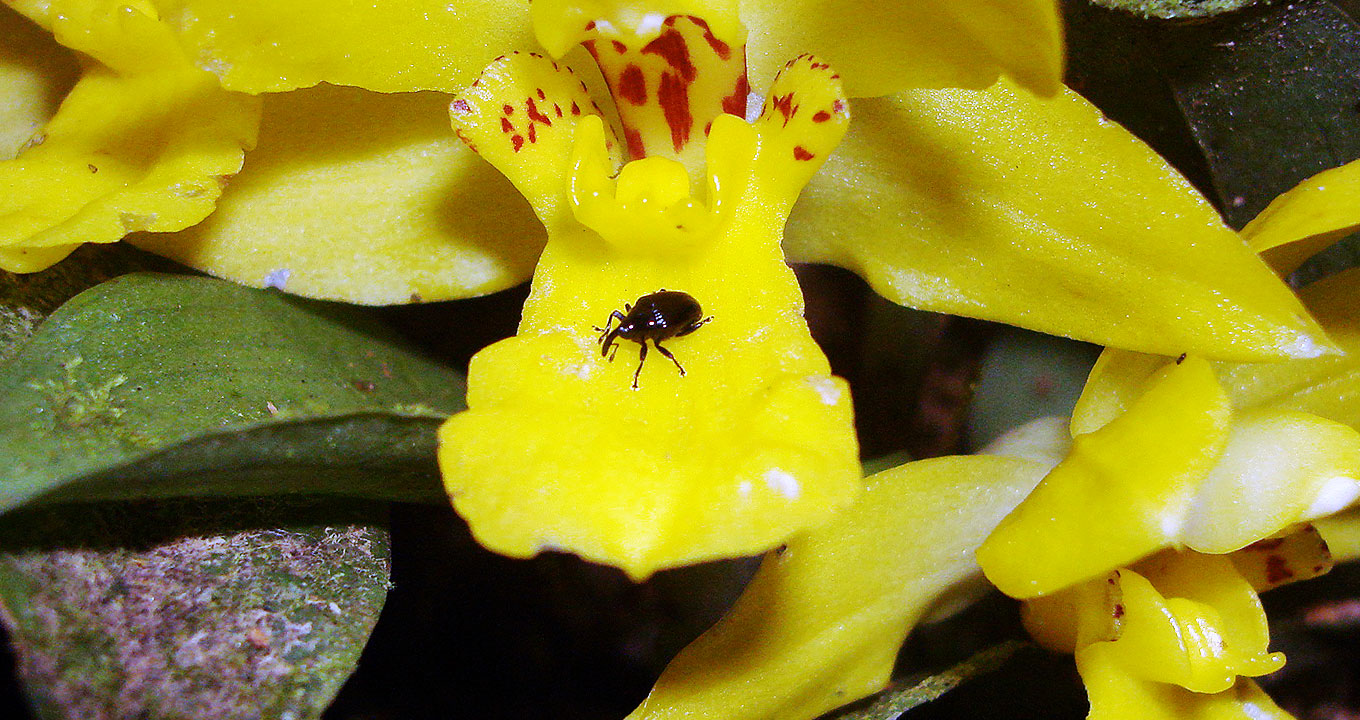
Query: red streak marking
[
  {"x": 589, "y": 45},
  {"x": 720, "y": 48},
  {"x": 635, "y": 147},
  {"x": 471, "y": 145},
  {"x": 735, "y": 104},
  {"x": 517, "y": 142},
  {"x": 801, "y": 153},
  {"x": 674, "y": 98},
  {"x": 821, "y": 116},
  {"x": 619, "y": 47},
  {"x": 590, "y": 25},
  {"x": 534, "y": 114},
  {"x": 557, "y": 110},
  {"x": 575, "y": 109},
  {"x": 671, "y": 47},
  {"x": 508, "y": 109},
  {"x": 533, "y": 136},
  {"x": 708, "y": 127},
  {"x": 633, "y": 85},
  {"x": 506, "y": 126},
  {"x": 541, "y": 96}
]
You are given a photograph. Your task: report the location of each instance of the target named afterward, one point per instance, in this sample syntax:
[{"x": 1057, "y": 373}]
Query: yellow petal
[
  {"x": 35, "y": 73},
  {"x": 1341, "y": 533},
  {"x": 1121, "y": 493},
  {"x": 998, "y": 205},
  {"x": 821, "y": 623},
  {"x": 1314, "y": 214},
  {"x": 144, "y": 144},
  {"x": 366, "y": 198},
  {"x": 642, "y": 466},
  {"x": 388, "y": 45},
  {"x": 1326, "y": 386},
  {"x": 1116, "y": 696},
  {"x": 886, "y": 47}
]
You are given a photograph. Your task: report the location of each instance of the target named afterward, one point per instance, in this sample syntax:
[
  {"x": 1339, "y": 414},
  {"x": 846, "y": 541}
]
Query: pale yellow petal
[
  {"x": 1302, "y": 222},
  {"x": 1040, "y": 213},
  {"x": 821, "y": 623},
  {"x": 367, "y": 198},
  {"x": 885, "y": 47}
]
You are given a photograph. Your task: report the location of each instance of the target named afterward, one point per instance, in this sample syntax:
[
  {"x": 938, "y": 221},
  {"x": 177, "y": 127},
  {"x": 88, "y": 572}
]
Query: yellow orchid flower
[
  {"x": 357, "y": 196},
  {"x": 1180, "y": 453}
]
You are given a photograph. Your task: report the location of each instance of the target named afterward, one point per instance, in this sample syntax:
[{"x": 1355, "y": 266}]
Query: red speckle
[
  {"x": 461, "y": 107},
  {"x": 557, "y": 110},
  {"x": 1265, "y": 545},
  {"x": 575, "y": 109},
  {"x": 784, "y": 104},
  {"x": 674, "y": 98},
  {"x": 541, "y": 96},
  {"x": 590, "y": 26},
  {"x": 589, "y": 45},
  {"x": 838, "y": 106},
  {"x": 708, "y": 128},
  {"x": 1277, "y": 570},
  {"x": 506, "y": 126},
  {"x": 735, "y": 104},
  {"x": 508, "y": 109},
  {"x": 821, "y": 116},
  {"x": 619, "y": 47},
  {"x": 471, "y": 145},
  {"x": 633, "y": 85},
  {"x": 635, "y": 148},
  {"x": 1118, "y": 610},
  {"x": 516, "y": 142},
  {"x": 672, "y": 48},
  {"x": 801, "y": 153},
  {"x": 534, "y": 114},
  {"x": 533, "y": 136}
]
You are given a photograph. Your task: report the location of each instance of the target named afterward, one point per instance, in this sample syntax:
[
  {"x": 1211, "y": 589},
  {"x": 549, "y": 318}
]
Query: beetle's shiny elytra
[{"x": 662, "y": 315}]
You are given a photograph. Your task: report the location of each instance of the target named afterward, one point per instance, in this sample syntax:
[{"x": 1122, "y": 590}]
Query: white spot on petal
[
  {"x": 649, "y": 25},
  {"x": 278, "y": 278},
  {"x": 827, "y": 389},
  {"x": 1334, "y": 495},
  {"x": 783, "y": 483},
  {"x": 755, "y": 102},
  {"x": 744, "y": 489}
]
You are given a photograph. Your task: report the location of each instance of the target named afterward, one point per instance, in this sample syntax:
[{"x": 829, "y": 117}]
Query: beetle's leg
[
  {"x": 614, "y": 350},
  {"x": 694, "y": 326},
  {"x": 642, "y": 358},
  {"x": 668, "y": 354}
]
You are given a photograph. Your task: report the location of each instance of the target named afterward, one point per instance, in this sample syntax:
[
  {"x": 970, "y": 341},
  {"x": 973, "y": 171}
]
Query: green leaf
[
  {"x": 1175, "y": 9},
  {"x": 903, "y": 696},
  {"x": 164, "y": 385},
  {"x": 189, "y": 608}
]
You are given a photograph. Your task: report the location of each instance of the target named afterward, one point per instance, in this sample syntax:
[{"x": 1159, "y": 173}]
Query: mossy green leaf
[
  {"x": 165, "y": 385},
  {"x": 192, "y": 608}
]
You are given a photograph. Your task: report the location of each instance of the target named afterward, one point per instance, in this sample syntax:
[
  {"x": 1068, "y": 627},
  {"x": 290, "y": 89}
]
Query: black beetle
[{"x": 662, "y": 315}]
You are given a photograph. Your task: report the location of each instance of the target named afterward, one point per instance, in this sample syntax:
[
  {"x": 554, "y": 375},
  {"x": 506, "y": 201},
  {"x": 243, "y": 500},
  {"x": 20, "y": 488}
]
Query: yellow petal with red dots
[
  {"x": 740, "y": 440},
  {"x": 1300, "y": 554},
  {"x": 1327, "y": 386},
  {"x": 362, "y": 197},
  {"x": 1310, "y": 217},
  {"x": 388, "y": 45},
  {"x": 1121, "y": 493},
  {"x": 143, "y": 143},
  {"x": 886, "y": 47},
  {"x": 821, "y": 623},
  {"x": 1041, "y": 213}
]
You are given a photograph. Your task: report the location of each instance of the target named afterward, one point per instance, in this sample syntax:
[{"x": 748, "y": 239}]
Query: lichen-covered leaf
[
  {"x": 161, "y": 385},
  {"x": 191, "y": 609},
  {"x": 899, "y": 698},
  {"x": 368, "y": 198},
  {"x": 1040, "y": 213}
]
